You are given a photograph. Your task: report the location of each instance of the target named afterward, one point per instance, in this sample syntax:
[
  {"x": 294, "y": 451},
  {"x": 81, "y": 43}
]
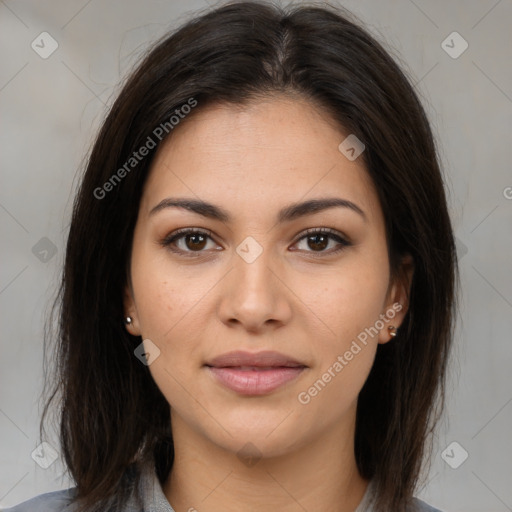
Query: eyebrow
[{"x": 286, "y": 214}]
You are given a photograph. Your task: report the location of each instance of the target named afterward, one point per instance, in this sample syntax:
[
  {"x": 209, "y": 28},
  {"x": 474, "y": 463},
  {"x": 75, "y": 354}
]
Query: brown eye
[
  {"x": 318, "y": 242},
  {"x": 318, "y": 239},
  {"x": 195, "y": 241},
  {"x": 187, "y": 241}
]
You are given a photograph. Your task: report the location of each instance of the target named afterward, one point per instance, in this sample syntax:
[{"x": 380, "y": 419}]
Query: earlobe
[
  {"x": 392, "y": 319},
  {"x": 398, "y": 301},
  {"x": 131, "y": 325},
  {"x": 130, "y": 316}
]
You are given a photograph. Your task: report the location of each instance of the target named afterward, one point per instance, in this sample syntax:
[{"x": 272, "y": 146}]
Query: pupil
[
  {"x": 196, "y": 236},
  {"x": 314, "y": 239}
]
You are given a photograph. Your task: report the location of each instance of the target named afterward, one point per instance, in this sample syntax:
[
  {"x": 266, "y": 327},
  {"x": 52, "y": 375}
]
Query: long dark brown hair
[{"x": 111, "y": 413}]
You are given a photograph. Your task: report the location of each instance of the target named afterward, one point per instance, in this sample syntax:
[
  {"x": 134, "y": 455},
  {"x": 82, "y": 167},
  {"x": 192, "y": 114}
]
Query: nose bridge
[
  {"x": 253, "y": 294},
  {"x": 253, "y": 268}
]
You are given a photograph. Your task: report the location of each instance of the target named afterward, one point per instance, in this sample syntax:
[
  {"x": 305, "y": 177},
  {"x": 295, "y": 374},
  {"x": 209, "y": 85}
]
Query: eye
[
  {"x": 194, "y": 240},
  {"x": 319, "y": 239}
]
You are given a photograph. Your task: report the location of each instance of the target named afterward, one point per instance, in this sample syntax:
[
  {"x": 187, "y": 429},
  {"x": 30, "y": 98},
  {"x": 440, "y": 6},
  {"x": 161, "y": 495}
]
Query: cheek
[
  {"x": 333, "y": 391},
  {"x": 346, "y": 304},
  {"x": 348, "y": 307},
  {"x": 346, "y": 350},
  {"x": 163, "y": 295},
  {"x": 158, "y": 304},
  {"x": 170, "y": 306},
  {"x": 165, "y": 308}
]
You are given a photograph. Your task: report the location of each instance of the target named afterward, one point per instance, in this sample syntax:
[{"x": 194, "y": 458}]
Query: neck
[{"x": 320, "y": 475}]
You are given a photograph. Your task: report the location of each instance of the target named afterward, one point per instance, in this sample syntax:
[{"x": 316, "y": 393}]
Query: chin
[
  {"x": 263, "y": 441},
  {"x": 251, "y": 448}
]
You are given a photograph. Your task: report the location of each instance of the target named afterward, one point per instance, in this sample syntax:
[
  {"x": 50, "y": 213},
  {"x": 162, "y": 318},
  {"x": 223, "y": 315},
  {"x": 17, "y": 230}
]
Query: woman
[{"x": 259, "y": 286}]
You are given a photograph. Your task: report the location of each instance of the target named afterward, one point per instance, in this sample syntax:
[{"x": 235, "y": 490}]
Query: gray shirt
[{"x": 152, "y": 499}]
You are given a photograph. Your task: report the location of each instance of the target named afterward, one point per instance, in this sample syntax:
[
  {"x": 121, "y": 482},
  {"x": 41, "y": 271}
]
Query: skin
[{"x": 308, "y": 303}]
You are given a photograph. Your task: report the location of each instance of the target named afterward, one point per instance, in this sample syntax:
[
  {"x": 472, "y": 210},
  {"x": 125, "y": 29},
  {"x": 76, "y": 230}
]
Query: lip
[
  {"x": 255, "y": 382},
  {"x": 265, "y": 358},
  {"x": 254, "y": 373}
]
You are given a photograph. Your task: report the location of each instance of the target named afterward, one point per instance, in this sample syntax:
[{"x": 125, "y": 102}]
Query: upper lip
[{"x": 266, "y": 358}]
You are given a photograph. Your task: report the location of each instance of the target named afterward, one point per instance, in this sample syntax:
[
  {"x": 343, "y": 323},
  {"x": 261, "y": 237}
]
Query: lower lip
[{"x": 255, "y": 382}]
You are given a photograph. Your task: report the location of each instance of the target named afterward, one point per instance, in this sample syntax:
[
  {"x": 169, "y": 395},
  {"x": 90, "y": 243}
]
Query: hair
[{"x": 112, "y": 415}]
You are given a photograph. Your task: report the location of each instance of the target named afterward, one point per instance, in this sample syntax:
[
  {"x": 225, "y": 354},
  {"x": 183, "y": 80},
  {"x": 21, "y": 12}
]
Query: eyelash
[{"x": 169, "y": 240}]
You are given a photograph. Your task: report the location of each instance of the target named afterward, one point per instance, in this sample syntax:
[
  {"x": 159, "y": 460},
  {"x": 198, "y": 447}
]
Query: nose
[{"x": 254, "y": 296}]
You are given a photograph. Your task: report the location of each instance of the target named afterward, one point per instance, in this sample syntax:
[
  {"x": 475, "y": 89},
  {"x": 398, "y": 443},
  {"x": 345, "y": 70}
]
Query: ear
[
  {"x": 397, "y": 299},
  {"x": 130, "y": 310}
]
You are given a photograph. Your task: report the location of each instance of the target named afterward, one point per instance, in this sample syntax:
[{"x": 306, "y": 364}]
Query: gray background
[{"x": 51, "y": 108}]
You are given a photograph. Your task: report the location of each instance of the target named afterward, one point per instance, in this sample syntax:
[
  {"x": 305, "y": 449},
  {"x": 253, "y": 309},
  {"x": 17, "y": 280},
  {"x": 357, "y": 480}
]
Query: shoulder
[
  {"x": 56, "y": 501},
  {"x": 64, "y": 500},
  {"x": 421, "y": 506},
  {"x": 368, "y": 504}
]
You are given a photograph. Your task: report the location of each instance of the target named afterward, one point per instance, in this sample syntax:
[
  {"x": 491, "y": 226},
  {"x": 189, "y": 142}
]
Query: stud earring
[
  {"x": 393, "y": 333},
  {"x": 128, "y": 320}
]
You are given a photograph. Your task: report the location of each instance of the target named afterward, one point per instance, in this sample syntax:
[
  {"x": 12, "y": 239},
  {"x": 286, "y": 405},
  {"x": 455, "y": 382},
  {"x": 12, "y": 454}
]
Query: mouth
[{"x": 254, "y": 373}]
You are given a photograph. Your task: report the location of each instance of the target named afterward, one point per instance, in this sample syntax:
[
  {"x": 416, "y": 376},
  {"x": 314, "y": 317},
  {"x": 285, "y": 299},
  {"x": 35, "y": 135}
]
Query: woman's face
[{"x": 254, "y": 280}]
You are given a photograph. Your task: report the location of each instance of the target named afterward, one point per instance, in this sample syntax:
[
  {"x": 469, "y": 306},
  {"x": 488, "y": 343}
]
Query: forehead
[{"x": 259, "y": 156}]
